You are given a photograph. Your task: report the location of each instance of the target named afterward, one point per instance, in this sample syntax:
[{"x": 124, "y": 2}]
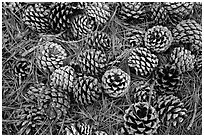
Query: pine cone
[
  {"x": 60, "y": 15},
  {"x": 115, "y": 82},
  {"x": 100, "y": 11},
  {"x": 178, "y": 11},
  {"x": 99, "y": 41},
  {"x": 31, "y": 119},
  {"x": 134, "y": 37},
  {"x": 188, "y": 31},
  {"x": 22, "y": 69},
  {"x": 53, "y": 102},
  {"x": 168, "y": 80},
  {"x": 92, "y": 62},
  {"x": 158, "y": 14},
  {"x": 86, "y": 90},
  {"x": 79, "y": 5},
  {"x": 50, "y": 56},
  {"x": 33, "y": 93},
  {"x": 129, "y": 11},
  {"x": 144, "y": 93},
  {"x": 82, "y": 25},
  {"x": 158, "y": 39},
  {"x": 99, "y": 132},
  {"x": 79, "y": 128},
  {"x": 141, "y": 61},
  {"x": 171, "y": 110},
  {"x": 182, "y": 59},
  {"x": 36, "y": 17},
  {"x": 141, "y": 118},
  {"x": 75, "y": 65},
  {"x": 63, "y": 77},
  {"x": 198, "y": 63}
]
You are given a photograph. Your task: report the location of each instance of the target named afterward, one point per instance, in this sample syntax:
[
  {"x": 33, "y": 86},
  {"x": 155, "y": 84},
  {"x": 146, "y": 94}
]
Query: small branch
[
  {"x": 151, "y": 92},
  {"x": 112, "y": 16},
  {"x": 194, "y": 116},
  {"x": 29, "y": 51}
]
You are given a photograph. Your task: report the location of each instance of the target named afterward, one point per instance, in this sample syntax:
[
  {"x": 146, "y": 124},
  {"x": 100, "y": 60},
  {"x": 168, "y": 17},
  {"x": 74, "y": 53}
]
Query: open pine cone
[
  {"x": 63, "y": 77},
  {"x": 79, "y": 128},
  {"x": 53, "y": 102},
  {"x": 36, "y": 17},
  {"x": 158, "y": 14},
  {"x": 22, "y": 69},
  {"x": 92, "y": 62},
  {"x": 171, "y": 110},
  {"x": 141, "y": 61},
  {"x": 82, "y": 25},
  {"x": 100, "y": 11},
  {"x": 198, "y": 63},
  {"x": 31, "y": 119},
  {"x": 178, "y": 11},
  {"x": 50, "y": 56},
  {"x": 168, "y": 79},
  {"x": 99, "y": 41},
  {"x": 141, "y": 118},
  {"x": 115, "y": 82},
  {"x": 129, "y": 11},
  {"x": 158, "y": 39},
  {"x": 144, "y": 93},
  {"x": 183, "y": 59},
  {"x": 189, "y": 31},
  {"x": 134, "y": 37},
  {"x": 61, "y": 13},
  {"x": 86, "y": 90}
]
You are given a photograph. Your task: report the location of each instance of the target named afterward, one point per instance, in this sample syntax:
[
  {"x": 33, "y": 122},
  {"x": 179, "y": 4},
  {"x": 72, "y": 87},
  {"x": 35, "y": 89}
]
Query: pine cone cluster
[
  {"x": 51, "y": 101},
  {"x": 92, "y": 53}
]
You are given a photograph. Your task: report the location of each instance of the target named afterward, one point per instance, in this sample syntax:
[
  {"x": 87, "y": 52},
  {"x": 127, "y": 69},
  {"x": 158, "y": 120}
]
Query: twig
[
  {"x": 151, "y": 92},
  {"x": 29, "y": 51},
  {"x": 112, "y": 16},
  {"x": 194, "y": 115}
]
